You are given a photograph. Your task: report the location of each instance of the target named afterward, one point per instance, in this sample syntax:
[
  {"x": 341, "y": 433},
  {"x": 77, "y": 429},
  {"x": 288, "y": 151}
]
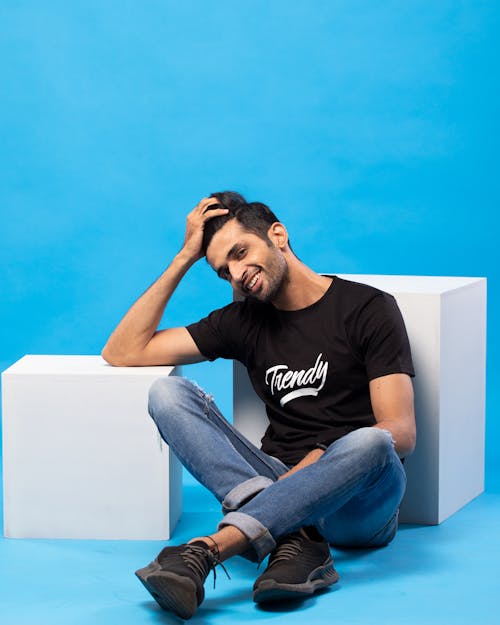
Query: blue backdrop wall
[{"x": 371, "y": 128}]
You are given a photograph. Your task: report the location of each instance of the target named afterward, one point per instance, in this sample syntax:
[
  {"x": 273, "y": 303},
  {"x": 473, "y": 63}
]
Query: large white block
[
  {"x": 446, "y": 322},
  {"x": 81, "y": 456}
]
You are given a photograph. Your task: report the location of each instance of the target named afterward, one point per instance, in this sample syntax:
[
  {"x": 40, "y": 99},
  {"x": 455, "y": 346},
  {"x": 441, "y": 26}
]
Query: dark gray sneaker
[
  {"x": 297, "y": 567},
  {"x": 175, "y": 578}
]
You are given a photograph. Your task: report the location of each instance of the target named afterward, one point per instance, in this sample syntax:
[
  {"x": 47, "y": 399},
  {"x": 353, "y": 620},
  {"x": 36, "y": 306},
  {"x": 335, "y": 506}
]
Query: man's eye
[{"x": 241, "y": 252}]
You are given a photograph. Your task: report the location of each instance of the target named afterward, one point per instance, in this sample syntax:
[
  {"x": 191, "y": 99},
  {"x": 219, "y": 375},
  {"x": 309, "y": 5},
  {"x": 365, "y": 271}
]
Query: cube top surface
[
  {"x": 77, "y": 365},
  {"x": 413, "y": 284}
]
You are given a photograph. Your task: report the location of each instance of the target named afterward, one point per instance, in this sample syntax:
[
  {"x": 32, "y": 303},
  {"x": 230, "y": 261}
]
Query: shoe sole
[
  {"x": 172, "y": 592},
  {"x": 270, "y": 590}
]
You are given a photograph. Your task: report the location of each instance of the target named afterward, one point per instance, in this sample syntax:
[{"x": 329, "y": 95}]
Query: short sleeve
[
  {"x": 214, "y": 335},
  {"x": 382, "y": 338}
]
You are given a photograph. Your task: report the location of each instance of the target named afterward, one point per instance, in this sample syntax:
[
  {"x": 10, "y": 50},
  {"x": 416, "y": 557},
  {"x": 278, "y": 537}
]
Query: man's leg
[
  {"x": 214, "y": 452},
  {"x": 351, "y": 494},
  {"x": 360, "y": 473},
  {"x": 354, "y": 467},
  {"x": 368, "y": 520},
  {"x": 224, "y": 461}
]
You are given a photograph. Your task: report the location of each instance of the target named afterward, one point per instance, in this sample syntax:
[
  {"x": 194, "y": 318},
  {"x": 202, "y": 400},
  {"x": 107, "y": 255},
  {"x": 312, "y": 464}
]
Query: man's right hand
[{"x": 195, "y": 225}]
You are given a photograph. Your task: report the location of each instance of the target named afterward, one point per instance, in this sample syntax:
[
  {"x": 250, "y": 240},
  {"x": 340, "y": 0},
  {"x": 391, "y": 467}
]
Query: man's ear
[{"x": 278, "y": 235}]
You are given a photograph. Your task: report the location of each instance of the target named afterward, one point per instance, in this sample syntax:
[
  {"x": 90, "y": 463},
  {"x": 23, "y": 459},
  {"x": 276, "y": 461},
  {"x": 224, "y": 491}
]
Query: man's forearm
[
  {"x": 392, "y": 402},
  {"x": 141, "y": 321}
]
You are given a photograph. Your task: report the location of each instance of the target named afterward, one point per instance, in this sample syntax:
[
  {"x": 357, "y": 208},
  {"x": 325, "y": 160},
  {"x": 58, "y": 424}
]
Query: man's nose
[{"x": 237, "y": 270}]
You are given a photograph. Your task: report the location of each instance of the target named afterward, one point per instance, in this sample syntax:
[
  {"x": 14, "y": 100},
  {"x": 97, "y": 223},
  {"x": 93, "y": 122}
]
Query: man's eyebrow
[{"x": 233, "y": 250}]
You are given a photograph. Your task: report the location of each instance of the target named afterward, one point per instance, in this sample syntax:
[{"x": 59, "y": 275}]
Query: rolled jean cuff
[
  {"x": 259, "y": 536},
  {"x": 240, "y": 494}
]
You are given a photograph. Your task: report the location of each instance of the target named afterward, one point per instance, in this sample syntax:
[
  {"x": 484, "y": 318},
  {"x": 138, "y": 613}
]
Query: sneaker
[
  {"x": 175, "y": 578},
  {"x": 297, "y": 567}
]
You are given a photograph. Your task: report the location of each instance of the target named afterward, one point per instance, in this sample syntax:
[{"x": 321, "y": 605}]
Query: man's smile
[{"x": 249, "y": 285}]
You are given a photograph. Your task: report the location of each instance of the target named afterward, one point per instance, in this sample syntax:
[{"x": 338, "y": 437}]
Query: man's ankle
[
  {"x": 311, "y": 533},
  {"x": 209, "y": 542}
]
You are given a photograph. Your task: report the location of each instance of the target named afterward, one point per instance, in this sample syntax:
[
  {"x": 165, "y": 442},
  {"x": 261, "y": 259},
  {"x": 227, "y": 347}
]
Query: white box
[
  {"x": 446, "y": 322},
  {"x": 81, "y": 456}
]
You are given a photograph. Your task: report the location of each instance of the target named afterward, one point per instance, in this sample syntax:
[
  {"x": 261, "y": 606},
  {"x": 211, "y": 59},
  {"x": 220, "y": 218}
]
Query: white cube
[
  {"x": 446, "y": 322},
  {"x": 81, "y": 456}
]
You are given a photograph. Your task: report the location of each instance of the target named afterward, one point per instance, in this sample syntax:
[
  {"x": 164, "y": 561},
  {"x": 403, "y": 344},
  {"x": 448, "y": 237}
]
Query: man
[{"x": 331, "y": 360}]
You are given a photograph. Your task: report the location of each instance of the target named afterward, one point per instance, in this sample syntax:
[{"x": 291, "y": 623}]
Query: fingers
[
  {"x": 206, "y": 202},
  {"x": 201, "y": 213},
  {"x": 206, "y": 210},
  {"x": 209, "y": 204},
  {"x": 195, "y": 225}
]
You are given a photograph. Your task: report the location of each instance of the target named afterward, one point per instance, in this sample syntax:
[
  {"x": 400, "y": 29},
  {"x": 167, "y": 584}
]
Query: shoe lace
[
  {"x": 201, "y": 560},
  {"x": 286, "y": 550}
]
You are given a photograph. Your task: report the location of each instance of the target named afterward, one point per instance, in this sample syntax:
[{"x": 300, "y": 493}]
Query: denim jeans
[{"x": 351, "y": 494}]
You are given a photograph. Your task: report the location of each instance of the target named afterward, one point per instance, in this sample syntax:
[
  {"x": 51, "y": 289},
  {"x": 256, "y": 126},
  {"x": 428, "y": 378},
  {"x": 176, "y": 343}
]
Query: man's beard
[{"x": 277, "y": 278}]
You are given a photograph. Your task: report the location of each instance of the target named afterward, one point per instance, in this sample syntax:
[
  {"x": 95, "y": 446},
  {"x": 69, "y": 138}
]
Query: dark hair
[{"x": 253, "y": 216}]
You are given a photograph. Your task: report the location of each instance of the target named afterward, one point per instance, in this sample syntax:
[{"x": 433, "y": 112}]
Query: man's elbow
[
  {"x": 113, "y": 359},
  {"x": 410, "y": 442}
]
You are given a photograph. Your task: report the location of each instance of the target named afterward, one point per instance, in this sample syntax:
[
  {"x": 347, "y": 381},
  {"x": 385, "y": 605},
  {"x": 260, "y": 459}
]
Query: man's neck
[{"x": 303, "y": 287}]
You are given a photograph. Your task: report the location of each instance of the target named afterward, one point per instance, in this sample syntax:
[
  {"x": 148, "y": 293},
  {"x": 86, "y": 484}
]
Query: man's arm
[
  {"x": 136, "y": 341},
  {"x": 392, "y": 402}
]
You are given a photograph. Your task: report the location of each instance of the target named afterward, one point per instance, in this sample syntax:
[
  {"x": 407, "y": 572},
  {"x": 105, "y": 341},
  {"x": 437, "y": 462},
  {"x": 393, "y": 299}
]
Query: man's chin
[
  {"x": 258, "y": 297},
  {"x": 268, "y": 292},
  {"x": 265, "y": 296}
]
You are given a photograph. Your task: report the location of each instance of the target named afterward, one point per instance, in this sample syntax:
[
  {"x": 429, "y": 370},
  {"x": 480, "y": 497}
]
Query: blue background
[{"x": 370, "y": 128}]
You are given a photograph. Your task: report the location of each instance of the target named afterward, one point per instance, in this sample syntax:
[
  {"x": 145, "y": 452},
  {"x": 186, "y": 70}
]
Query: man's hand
[
  {"x": 312, "y": 457},
  {"x": 195, "y": 224}
]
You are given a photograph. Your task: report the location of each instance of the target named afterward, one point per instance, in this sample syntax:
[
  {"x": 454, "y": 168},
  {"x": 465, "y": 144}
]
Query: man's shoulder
[
  {"x": 358, "y": 293},
  {"x": 240, "y": 312}
]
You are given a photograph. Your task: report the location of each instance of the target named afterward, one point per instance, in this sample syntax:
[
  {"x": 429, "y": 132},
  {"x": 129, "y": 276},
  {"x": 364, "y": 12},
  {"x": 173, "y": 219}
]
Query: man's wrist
[{"x": 184, "y": 258}]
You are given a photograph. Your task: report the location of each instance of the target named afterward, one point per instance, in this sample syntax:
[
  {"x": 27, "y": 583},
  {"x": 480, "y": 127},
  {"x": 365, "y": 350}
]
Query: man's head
[
  {"x": 246, "y": 246},
  {"x": 253, "y": 216}
]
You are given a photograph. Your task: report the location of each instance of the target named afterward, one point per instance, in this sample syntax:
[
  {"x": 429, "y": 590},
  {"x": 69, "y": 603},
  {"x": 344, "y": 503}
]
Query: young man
[{"x": 331, "y": 360}]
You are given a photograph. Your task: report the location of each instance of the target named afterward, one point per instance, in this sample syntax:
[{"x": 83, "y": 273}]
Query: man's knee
[
  {"x": 372, "y": 442},
  {"x": 167, "y": 394}
]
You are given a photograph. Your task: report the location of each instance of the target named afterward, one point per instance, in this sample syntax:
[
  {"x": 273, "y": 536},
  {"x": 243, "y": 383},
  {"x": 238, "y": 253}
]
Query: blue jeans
[{"x": 351, "y": 494}]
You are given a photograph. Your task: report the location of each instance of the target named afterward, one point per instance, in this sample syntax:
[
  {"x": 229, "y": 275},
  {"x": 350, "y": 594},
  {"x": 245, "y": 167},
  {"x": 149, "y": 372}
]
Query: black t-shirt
[{"x": 311, "y": 367}]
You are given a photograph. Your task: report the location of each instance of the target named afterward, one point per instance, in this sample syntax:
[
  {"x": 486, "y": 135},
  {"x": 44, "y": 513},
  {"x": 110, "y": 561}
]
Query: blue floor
[{"x": 444, "y": 574}]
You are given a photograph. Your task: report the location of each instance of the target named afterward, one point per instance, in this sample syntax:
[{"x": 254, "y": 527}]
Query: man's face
[{"x": 254, "y": 267}]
